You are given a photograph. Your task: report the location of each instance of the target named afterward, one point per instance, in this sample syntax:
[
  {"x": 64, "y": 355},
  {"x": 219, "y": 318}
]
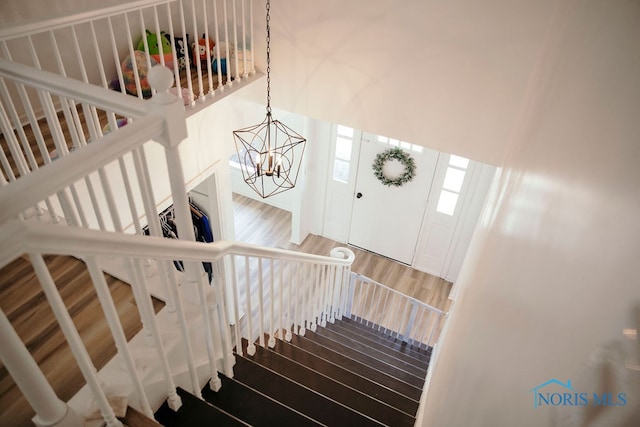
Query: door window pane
[
  {"x": 458, "y": 161},
  {"x": 345, "y": 131},
  {"x": 453, "y": 179},
  {"x": 447, "y": 202},
  {"x": 343, "y": 148},
  {"x": 341, "y": 171}
]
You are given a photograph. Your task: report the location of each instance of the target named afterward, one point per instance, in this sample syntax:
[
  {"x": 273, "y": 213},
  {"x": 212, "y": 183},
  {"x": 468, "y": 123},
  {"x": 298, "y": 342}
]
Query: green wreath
[{"x": 397, "y": 154}]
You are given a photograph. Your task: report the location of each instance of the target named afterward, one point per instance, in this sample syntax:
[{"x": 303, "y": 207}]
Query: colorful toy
[
  {"x": 222, "y": 46},
  {"x": 154, "y": 43},
  {"x": 129, "y": 75},
  {"x": 200, "y": 49},
  {"x": 182, "y": 50}
]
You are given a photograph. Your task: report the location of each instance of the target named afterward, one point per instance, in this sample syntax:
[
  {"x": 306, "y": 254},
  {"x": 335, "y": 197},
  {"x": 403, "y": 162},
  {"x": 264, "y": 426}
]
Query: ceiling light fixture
[{"x": 269, "y": 153}]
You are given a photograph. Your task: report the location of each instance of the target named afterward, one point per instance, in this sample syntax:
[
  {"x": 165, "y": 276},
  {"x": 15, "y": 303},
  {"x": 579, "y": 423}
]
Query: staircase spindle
[
  {"x": 272, "y": 341},
  {"x": 252, "y": 44},
  {"x": 281, "y": 332},
  {"x": 174, "y": 53},
  {"x": 145, "y": 308},
  {"x": 244, "y": 39},
  {"x": 208, "y": 48},
  {"x": 228, "y": 43},
  {"x": 216, "y": 28},
  {"x": 260, "y": 302},
  {"x": 187, "y": 61},
  {"x": 236, "y": 49},
  {"x": 132, "y": 57},
  {"x": 220, "y": 287},
  {"x": 97, "y": 51},
  {"x": 251, "y": 348},
  {"x": 236, "y": 305},
  {"x": 113, "y": 320},
  {"x": 116, "y": 56},
  {"x": 49, "y": 409},
  {"x": 197, "y": 54},
  {"x": 73, "y": 339}
]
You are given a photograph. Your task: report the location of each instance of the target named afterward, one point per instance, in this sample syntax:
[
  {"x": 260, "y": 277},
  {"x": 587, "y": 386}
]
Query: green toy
[
  {"x": 154, "y": 47},
  {"x": 152, "y": 42}
]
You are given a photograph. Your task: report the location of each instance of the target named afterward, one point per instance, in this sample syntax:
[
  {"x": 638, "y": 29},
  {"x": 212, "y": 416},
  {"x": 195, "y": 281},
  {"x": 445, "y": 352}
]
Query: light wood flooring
[
  {"x": 23, "y": 302},
  {"x": 258, "y": 223}
]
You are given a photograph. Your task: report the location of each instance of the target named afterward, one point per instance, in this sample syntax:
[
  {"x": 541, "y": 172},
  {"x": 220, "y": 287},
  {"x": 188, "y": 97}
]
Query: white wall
[
  {"x": 552, "y": 273},
  {"x": 446, "y": 75}
]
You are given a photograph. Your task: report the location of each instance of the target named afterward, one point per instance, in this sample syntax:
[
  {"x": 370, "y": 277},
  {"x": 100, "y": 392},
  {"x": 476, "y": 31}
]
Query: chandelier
[{"x": 269, "y": 153}]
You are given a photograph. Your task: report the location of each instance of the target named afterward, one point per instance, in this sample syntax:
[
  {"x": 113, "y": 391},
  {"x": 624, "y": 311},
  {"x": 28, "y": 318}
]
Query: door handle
[{"x": 359, "y": 195}]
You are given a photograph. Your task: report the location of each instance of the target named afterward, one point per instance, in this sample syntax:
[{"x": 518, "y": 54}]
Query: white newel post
[
  {"x": 195, "y": 290},
  {"x": 50, "y": 410},
  {"x": 171, "y": 108}
]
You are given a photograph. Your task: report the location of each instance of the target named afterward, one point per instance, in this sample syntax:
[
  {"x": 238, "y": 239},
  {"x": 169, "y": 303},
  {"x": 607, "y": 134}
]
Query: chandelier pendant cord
[
  {"x": 269, "y": 58},
  {"x": 270, "y": 153}
]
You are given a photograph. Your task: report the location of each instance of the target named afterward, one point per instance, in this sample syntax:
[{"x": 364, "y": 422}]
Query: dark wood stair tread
[
  {"x": 394, "y": 359},
  {"x": 374, "y": 370},
  {"x": 253, "y": 407},
  {"x": 396, "y": 348},
  {"x": 347, "y": 377},
  {"x": 367, "y": 358},
  {"x": 370, "y": 328},
  {"x": 296, "y": 396},
  {"x": 332, "y": 389},
  {"x": 194, "y": 413}
]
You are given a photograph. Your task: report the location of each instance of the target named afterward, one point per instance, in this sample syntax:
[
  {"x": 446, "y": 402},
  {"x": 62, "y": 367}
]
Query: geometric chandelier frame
[{"x": 269, "y": 153}]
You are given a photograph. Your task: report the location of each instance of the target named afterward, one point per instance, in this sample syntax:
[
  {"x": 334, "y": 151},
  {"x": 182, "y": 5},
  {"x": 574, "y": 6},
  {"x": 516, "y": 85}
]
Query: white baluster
[
  {"x": 208, "y": 47},
  {"x": 174, "y": 53},
  {"x": 304, "y": 287},
  {"x": 290, "y": 325},
  {"x": 351, "y": 295},
  {"x": 317, "y": 289},
  {"x": 49, "y": 409},
  {"x": 253, "y": 46},
  {"x": 272, "y": 341},
  {"x": 73, "y": 339},
  {"x": 186, "y": 54},
  {"x": 236, "y": 305},
  {"x": 145, "y": 306},
  {"x": 197, "y": 51},
  {"x": 244, "y": 40},
  {"x": 96, "y": 51},
  {"x": 116, "y": 56},
  {"x": 325, "y": 295},
  {"x": 228, "y": 44},
  {"x": 113, "y": 320},
  {"x": 10, "y": 107},
  {"x": 251, "y": 348},
  {"x": 433, "y": 329},
  {"x": 281, "y": 332},
  {"x": 260, "y": 303},
  {"x": 145, "y": 41},
  {"x": 235, "y": 41},
  {"x": 218, "y": 70},
  {"x": 223, "y": 322},
  {"x": 136, "y": 74}
]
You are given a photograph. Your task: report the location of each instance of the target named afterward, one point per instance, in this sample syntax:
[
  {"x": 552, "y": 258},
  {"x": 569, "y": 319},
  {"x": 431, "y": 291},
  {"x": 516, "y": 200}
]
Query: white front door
[{"x": 387, "y": 219}]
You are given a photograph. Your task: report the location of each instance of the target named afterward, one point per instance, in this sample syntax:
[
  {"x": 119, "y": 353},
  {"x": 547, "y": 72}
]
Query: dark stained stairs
[{"x": 345, "y": 374}]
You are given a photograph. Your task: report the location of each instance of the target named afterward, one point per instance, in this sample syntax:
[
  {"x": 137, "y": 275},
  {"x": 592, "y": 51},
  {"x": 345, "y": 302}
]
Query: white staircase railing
[
  {"x": 400, "y": 315},
  {"x": 101, "y": 188},
  {"x": 93, "y": 46}
]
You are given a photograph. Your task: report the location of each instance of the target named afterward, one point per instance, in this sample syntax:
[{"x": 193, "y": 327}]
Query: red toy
[{"x": 200, "y": 49}]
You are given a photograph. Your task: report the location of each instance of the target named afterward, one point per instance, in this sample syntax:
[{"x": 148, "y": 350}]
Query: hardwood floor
[
  {"x": 258, "y": 223},
  {"x": 23, "y": 302}
]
